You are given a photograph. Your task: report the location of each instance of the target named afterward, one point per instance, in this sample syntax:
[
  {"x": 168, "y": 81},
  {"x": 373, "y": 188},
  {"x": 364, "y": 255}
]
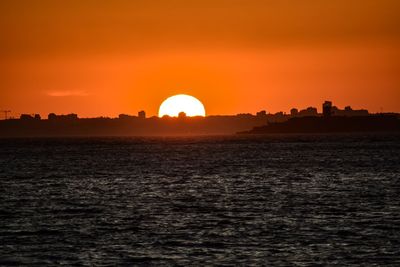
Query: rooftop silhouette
[{"x": 332, "y": 119}]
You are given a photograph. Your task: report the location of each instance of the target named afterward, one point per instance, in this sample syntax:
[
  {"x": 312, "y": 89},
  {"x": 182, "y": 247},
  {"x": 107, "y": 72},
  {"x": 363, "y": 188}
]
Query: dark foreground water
[{"x": 289, "y": 200}]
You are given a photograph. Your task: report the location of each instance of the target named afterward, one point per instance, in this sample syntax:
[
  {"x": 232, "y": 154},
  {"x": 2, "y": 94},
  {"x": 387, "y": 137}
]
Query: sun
[{"x": 173, "y": 105}]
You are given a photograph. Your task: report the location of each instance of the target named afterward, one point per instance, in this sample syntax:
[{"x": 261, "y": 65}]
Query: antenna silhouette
[{"x": 5, "y": 113}]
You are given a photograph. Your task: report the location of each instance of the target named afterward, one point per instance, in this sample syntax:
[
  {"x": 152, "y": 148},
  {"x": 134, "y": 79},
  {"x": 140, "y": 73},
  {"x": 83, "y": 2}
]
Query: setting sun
[{"x": 176, "y": 104}]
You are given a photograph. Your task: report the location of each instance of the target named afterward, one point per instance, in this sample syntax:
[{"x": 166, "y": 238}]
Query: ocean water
[{"x": 233, "y": 200}]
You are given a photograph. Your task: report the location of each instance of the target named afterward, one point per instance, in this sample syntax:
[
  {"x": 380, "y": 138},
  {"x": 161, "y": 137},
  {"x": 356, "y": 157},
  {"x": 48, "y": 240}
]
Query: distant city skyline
[
  {"x": 294, "y": 111},
  {"x": 331, "y": 119},
  {"x": 327, "y": 108}
]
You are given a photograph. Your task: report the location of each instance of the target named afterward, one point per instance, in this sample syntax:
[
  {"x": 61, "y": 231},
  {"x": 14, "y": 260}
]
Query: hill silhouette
[{"x": 340, "y": 124}]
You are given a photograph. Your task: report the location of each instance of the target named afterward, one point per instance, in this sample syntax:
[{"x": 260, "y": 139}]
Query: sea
[{"x": 273, "y": 200}]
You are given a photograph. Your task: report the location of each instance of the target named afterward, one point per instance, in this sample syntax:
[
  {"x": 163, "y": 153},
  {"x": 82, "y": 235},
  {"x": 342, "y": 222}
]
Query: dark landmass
[
  {"x": 129, "y": 126},
  {"x": 332, "y": 124},
  {"x": 307, "y": 120}
]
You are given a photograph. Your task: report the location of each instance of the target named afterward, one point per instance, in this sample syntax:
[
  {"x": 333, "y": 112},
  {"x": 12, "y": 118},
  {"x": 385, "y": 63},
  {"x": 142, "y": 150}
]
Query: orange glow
[{"x": 102, "y": 58}]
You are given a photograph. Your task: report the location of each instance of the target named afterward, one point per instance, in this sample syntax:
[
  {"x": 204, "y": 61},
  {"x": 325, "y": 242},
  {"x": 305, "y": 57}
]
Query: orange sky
[{"x": 103, "y": 58}]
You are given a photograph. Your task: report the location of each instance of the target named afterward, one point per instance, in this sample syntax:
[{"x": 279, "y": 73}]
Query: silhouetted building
[
  {"x": 26, "y": 117},
  {"x": 182, "y": 115},
  {"x": 294, "y": 112},
  {"x": 125, "y": 117},
  {"x": 277, "y": 117},
  {"x": 348, "y": 111},
  {"x": 51, "y": 116},
  {"x": 327, "y": 108},
  {"x": 29, "y": 117},
  {"x": 68, "y": 117},
  {"x": 261, "y": 113},
  {"x": 142, "y": 114},
  {"x": 308, "y": 112}
]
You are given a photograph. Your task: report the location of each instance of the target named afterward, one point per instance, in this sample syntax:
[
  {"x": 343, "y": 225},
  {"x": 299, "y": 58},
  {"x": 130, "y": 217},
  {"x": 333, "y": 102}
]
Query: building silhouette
[
  {"x": 348, "y": 111},
  {"x": 68, "y": 117},
  {"x": 327, "y": 109},
  {"x": 27, "y": 117},
  {"x": 308, "y": 112},
  {"x": 125, "y": 117},
  {"x": 261, "y": 113},
  {"x": 142, "y": 114}
]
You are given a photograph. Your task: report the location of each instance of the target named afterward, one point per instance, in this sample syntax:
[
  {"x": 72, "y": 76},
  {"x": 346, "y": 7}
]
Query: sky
[{"x": 103, "y": 58}]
